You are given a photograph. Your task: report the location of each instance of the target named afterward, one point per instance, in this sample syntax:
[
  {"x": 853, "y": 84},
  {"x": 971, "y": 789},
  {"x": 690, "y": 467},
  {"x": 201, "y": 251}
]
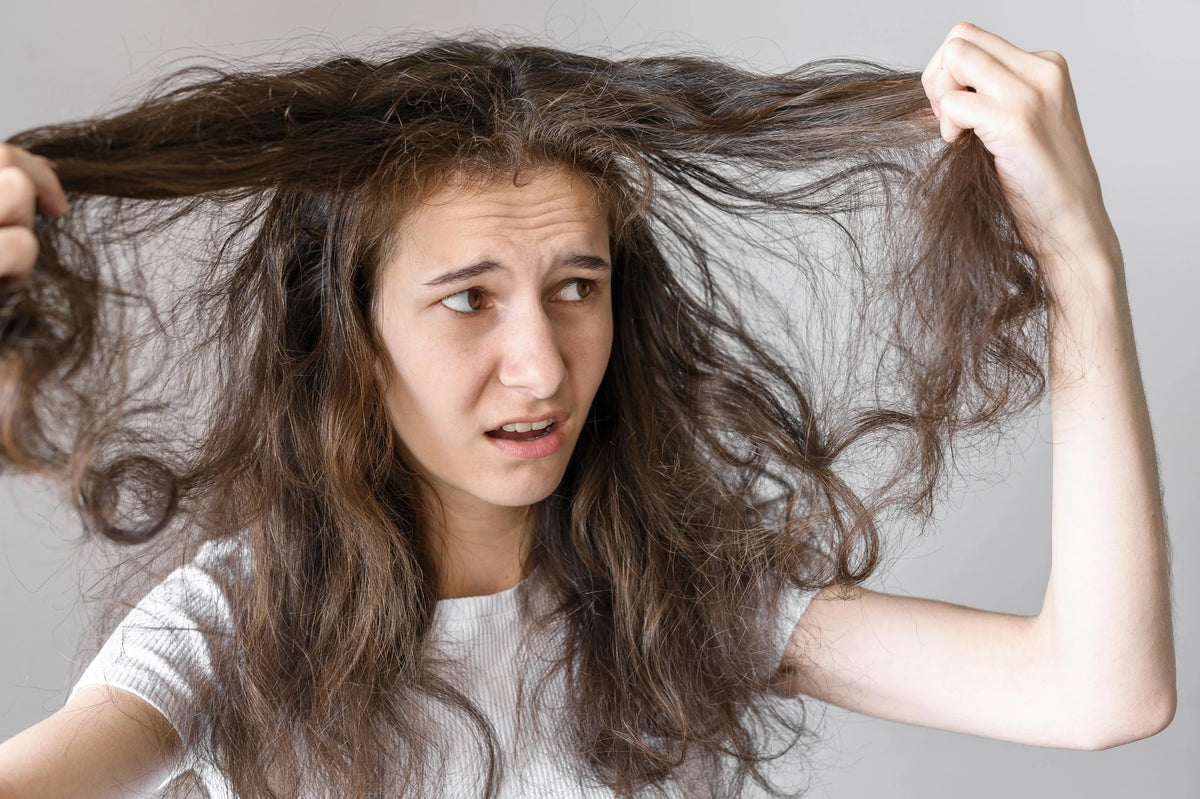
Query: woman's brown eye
[
  {"x": 582, "y": 287},
  {"x": 467, "y": 301}
]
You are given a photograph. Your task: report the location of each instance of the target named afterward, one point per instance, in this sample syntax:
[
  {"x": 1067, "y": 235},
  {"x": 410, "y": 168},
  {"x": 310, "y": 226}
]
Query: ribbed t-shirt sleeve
[{"x": 161, "y": 649}]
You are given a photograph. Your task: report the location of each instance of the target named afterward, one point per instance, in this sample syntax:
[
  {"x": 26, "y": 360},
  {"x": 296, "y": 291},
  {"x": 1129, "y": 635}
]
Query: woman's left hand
[{"x": 1023, "y": 109}]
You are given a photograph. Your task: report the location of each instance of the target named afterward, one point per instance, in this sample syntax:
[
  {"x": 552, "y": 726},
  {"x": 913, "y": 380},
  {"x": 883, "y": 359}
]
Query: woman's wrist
[{"x": 1090, "y": 267}]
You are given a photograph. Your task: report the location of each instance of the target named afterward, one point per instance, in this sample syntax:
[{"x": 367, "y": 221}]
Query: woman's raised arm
[{"x": 1096, "y": 667}]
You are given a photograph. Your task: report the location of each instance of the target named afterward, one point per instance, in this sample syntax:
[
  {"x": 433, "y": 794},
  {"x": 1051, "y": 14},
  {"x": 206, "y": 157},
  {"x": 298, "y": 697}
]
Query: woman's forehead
[
  {"x": 547, "y": 205},
  {"x": 549, "y": 217}
]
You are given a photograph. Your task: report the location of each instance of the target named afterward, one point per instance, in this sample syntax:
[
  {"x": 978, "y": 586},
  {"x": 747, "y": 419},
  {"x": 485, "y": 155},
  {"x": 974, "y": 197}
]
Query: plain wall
[{"x": 1133, "y": 68}]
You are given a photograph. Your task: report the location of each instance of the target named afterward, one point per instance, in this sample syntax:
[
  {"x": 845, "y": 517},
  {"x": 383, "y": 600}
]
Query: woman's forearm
[{"x": 1107, "y": 611}]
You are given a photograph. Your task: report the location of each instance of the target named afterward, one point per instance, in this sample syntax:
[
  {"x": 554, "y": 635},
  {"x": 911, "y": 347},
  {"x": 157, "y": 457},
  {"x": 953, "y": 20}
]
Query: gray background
[{"x": 1133, "y": 66}]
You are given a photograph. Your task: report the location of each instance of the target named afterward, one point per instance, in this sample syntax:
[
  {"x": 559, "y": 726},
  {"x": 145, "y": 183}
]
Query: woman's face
[{"x": 496, "y": 308}]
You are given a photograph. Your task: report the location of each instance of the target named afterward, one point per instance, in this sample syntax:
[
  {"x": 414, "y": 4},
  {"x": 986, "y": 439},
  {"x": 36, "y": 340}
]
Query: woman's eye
[
  {"x": 468, "y": 301},
  {"x": 582, "y": 288},
  {"x": 471, "y": 300}
]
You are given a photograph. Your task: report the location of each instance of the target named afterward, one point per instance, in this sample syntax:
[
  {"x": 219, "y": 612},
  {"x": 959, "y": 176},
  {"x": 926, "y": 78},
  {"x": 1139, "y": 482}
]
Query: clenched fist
[{"x": 27, "y": 185}]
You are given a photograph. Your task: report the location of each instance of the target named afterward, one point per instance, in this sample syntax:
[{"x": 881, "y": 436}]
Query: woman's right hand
[{"x": 28, "y": 185}]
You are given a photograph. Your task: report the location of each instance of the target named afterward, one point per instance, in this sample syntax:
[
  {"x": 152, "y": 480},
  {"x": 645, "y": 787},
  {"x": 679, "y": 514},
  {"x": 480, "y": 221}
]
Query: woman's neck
[{"x": 481, "y": 554}]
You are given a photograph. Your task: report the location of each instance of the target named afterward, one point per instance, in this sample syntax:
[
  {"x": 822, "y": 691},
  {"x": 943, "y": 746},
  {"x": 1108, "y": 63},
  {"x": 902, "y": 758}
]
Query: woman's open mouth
[
  {"x": 519, "y": 435},
  {"x": 528, "y": 443}
]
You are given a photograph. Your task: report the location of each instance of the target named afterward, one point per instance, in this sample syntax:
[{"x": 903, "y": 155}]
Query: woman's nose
[{"x": 530, "y": 358}]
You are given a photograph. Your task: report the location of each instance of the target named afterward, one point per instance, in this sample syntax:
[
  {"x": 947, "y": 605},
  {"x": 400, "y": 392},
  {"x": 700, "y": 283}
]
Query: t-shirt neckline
[{"x": 477, "y": 607}]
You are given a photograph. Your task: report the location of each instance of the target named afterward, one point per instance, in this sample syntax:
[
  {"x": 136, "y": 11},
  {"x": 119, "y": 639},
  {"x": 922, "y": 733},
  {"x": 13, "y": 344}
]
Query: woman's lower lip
[{"x": 537, "y": 448}]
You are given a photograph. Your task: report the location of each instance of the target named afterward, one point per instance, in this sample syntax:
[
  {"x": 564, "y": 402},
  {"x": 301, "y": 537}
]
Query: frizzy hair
[{"x": 710, "y": 474}]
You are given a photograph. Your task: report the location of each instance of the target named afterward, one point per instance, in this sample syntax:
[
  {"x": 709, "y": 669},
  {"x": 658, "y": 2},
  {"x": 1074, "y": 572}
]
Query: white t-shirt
[{"x": 158, "y": 653}]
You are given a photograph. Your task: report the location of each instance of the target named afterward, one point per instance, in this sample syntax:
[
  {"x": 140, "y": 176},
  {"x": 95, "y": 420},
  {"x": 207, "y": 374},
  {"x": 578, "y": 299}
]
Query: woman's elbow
[{"x": 1149, "y": 716}]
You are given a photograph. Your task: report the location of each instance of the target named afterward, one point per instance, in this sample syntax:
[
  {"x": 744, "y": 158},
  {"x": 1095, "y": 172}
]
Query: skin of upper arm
[
  {"x": 105, "y": 743},
  {"x": 935, "y": 664}
]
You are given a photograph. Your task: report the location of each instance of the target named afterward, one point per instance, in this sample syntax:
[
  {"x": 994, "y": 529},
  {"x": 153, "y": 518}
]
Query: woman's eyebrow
[{"x": 592, "y": 262}]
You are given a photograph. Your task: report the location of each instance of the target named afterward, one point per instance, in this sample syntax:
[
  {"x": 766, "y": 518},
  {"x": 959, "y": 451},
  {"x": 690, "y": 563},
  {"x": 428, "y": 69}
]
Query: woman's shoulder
[
  {"x": 192, "y": 599},
  {"x": 201, "y": 587},
  {"x": 161, "y": 651},
  {"x": 230, "y": 554}
]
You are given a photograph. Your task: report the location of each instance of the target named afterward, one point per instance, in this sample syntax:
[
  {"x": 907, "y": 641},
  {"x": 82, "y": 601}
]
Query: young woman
[{"x": 498, "y": 492}]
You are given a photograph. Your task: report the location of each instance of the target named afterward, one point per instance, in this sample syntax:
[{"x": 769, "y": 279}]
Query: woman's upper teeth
[{"x": 525, "y": 427}]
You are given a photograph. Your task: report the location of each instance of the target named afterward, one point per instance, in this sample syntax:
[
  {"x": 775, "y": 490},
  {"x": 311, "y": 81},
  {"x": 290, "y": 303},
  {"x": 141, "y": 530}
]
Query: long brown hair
[{"x": 717, "y": 465}]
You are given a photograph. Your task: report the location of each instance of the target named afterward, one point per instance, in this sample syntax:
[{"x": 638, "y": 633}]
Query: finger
[
  {"x": 51, "y": 199},
  {"x": 964, "y": 64},
  {"x": 935, "y": 64},
  {"x": 963, "y": 110},
  {"x": 18, "y": 251},
  {"x": 997, "y": 47},
  {"x": 18, "y": 195},
  {"x": 1000, "y": 49},
  {"x": 927, "y": 76}
]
